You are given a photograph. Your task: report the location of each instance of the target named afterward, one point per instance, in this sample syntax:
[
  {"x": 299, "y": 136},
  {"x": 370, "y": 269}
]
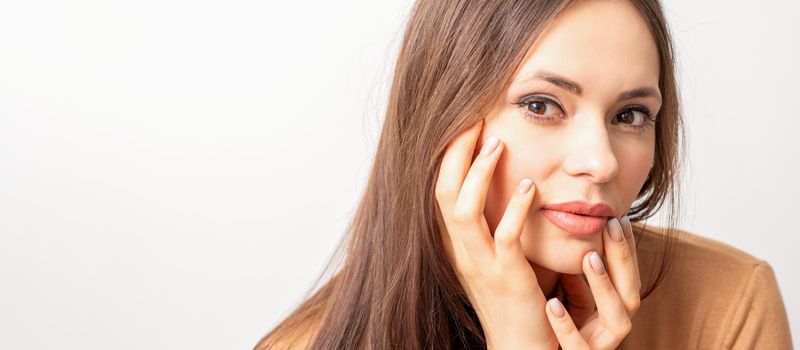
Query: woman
[{"x": 524, "y": 146}]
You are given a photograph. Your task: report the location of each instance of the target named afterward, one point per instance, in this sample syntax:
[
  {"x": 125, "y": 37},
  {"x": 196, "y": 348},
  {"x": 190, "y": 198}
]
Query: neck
[{"x": 547, "y": 280}]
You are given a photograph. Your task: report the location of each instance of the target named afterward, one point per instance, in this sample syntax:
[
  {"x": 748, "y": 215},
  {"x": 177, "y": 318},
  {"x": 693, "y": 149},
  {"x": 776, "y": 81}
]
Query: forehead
[{"x": 600, "y": 44}]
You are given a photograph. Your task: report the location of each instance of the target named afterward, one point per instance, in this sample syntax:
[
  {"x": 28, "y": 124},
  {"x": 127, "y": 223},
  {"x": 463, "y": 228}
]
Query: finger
[
  {"x": 612, "y": 312},
  {"x": 455, "y": 163},
  {"x": 567, "y": 334},
  {"x": 622, "y": 268},
  {"x": 506, "y": 236},
  {"x": 627, "y": 230},
  {"x": 472, "y": 196},
  {"x": 468, "y": 209}
]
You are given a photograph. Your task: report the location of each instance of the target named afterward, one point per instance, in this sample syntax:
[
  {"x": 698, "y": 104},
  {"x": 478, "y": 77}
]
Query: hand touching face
[{"x": 500, "y": 282}]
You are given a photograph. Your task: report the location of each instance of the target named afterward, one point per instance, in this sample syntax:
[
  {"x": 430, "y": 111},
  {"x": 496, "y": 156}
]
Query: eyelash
[{"x": 527, "y": 101}]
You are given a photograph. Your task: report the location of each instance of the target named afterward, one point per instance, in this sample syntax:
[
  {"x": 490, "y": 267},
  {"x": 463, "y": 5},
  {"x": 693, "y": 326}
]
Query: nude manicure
[
  {"x": 556, "y": 307},
  {"x": 489, "y": 146},
  {"x": 597, "y": 263},
  {"x": 614, "y": 230},
  {"x": 626, "y": 221},
  {"x": 524, "y": 185}
]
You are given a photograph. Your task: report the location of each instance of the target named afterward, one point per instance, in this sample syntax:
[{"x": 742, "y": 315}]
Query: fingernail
[
  {"x": 627, "y": 222},
  {"x": 597, "y": 263},
  {"x": 524, "y": 186},
  {"x": 489, "y": 146},
  {"x": 556, "y": 307},
  {"x": 614, "y": 230}
]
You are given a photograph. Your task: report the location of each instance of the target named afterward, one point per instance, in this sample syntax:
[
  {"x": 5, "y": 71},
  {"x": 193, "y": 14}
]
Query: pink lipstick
[{"x": 577, "y": 217}]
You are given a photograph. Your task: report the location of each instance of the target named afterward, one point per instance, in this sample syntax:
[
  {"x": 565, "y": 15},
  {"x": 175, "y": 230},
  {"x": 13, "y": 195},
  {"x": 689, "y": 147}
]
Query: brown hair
[{"x": 396, "y": 288}]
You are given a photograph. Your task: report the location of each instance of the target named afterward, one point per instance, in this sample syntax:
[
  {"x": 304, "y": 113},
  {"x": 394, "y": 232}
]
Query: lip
[{"x": 577, "y": 217}]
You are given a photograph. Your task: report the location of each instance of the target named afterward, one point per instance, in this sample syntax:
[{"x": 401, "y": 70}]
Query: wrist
[{"x": 520, "y": 341}]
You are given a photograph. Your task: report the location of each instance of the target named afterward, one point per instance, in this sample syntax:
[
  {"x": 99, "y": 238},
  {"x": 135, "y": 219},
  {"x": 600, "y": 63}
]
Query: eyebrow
[{"x": 573, "y": 87}]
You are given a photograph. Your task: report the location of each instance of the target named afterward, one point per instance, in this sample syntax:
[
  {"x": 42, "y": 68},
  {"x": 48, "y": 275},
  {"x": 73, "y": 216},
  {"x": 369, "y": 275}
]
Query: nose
[{"x": 590, "y": 153}]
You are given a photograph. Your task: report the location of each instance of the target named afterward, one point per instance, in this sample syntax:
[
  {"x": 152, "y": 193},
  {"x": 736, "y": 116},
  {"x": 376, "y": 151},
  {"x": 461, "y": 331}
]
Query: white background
[{"x": 174, "y": 174}]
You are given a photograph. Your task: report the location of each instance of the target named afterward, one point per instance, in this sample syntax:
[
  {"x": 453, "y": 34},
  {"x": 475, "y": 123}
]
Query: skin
[
  {"x": 593, "y": 155},
  {"x": 508, "y": 256}
]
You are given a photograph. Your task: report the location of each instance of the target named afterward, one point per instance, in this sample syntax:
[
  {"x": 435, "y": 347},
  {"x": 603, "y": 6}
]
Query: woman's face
[{"x": 575, "y": 121}]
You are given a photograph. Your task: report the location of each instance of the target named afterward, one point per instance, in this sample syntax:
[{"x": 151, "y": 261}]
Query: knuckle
[
  {"x": 568, "y": 329},
  {"x": 634, "y": 305},
  {"x": 624, "y": 328},
  {"x": 624, "y": 255},
  {"x": 561, "y": 325}
]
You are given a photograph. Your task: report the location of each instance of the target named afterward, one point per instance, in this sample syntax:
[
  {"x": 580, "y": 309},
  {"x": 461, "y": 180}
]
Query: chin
[
  {"x": 564, "y": 253},
  {"x": 568, "y": 265}
]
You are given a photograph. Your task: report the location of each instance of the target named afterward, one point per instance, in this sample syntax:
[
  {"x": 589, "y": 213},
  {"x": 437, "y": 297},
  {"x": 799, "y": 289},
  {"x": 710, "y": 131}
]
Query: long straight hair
[{"x": 396, "y": 288}]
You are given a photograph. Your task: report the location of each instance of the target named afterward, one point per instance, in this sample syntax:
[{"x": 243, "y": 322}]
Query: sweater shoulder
[
  {"x": 695, "y": 251},
  {"x": 715, "y": 295}
]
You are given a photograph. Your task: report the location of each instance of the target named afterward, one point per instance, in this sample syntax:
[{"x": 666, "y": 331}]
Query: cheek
[
  {"x": 517, "y": 162},
  {"x": 530, "y": 158},
  {"x": 635, "y": 164}
]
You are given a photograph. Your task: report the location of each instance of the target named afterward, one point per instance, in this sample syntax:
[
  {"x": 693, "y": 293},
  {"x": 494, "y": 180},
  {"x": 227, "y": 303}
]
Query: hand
[
  {"x": 616, "y": 294},
  {"x": 498, "y": 279}
]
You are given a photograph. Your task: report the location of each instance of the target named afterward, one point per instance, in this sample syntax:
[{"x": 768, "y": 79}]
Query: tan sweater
[{"x": 717, "y": 297}]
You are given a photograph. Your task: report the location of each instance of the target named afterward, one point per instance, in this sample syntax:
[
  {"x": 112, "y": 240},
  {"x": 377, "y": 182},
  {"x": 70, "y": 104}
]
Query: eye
[
  {"x": 637, "y": 118},
  {"x": 541, "y": 109}
]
